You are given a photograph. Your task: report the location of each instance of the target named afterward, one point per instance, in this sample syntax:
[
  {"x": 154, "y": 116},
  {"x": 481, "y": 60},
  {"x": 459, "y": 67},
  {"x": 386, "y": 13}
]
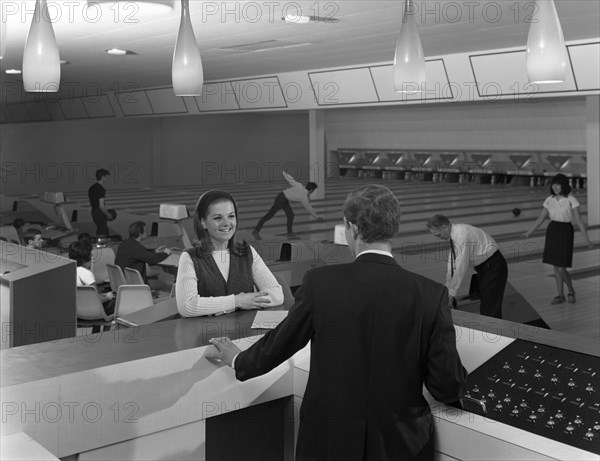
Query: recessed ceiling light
[
  {"x": 117, "y": 52},
  {"x": 296, "y": 18},
  {"x": 12, "y": 71},
  {"x": 304, "y": 19}
]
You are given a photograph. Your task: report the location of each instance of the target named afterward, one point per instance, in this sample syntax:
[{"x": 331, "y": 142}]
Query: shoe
[
  {"x": 558, "y": 300},
  {"x": 571, "y": 298},
  {"x": 256, "y": 235},
  {"x": 292, "y": 236}
]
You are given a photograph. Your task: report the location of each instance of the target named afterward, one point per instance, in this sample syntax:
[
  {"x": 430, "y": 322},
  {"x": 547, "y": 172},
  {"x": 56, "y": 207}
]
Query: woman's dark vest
[{"x": 211, "y": 281}]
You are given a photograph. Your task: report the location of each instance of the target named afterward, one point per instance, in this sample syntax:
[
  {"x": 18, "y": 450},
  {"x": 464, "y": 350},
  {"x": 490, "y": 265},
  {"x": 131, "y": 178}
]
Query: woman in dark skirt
[{"x": 562, "y": 208}]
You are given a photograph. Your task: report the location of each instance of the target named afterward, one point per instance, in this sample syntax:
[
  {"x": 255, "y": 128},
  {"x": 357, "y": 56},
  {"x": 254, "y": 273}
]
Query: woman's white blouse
[
  {"x": 191, "y": 304},
  {"x": 561, "y": 208}
]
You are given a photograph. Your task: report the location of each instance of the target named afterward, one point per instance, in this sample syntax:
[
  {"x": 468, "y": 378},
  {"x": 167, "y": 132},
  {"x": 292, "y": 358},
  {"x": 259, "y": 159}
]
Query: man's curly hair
[{"x": 375, "y": 210}]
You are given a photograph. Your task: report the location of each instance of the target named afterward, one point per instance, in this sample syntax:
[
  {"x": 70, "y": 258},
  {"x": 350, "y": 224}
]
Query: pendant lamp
[
  {"x": 187, "y": 73},
  {"x": 546, "y": 51},
  {"x": 2, "y": 38},
  {"x": 409, "y": 59},
  {"x": 41, "y": 61}
]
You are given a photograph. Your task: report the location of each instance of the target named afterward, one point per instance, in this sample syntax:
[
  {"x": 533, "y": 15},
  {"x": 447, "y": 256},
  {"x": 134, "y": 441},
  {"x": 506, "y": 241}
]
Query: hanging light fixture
[
  {"x": 187, "y": 73},
  {"x": 409, "y": 59},
  {"x": 546, "y": 50},
  {"x": 41, "y": 61},
  {"x": 2, "y": 38}
]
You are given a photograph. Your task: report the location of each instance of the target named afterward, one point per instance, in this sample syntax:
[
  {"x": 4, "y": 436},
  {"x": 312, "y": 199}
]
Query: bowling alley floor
[{"x": 531, "y": 285}]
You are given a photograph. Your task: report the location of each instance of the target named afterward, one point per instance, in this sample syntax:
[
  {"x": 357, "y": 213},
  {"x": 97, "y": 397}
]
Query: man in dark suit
[{"x": 377, "y": 332}]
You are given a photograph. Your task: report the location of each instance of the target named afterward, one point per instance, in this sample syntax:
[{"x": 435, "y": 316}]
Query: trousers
[
  {"x": 492, "y": 275},
  {"x": 281, "y": 203}
]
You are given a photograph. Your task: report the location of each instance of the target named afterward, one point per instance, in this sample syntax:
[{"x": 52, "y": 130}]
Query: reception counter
[
  {"x": 148, "y": 392},
  {"x": 37, "y": 296}
]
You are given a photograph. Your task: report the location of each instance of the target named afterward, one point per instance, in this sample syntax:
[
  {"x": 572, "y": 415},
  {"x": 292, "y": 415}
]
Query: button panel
[{"x": 549, "y": 391}]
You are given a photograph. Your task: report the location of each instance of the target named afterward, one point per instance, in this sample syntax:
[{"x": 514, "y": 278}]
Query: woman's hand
[{"x": 249, "y": 301}]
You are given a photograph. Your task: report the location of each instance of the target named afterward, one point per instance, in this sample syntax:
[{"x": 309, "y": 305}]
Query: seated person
[
  {"x": 81, "y": 253},
  {"x": 32, "y": 238},
  {"x": 218, "y": 274},
  {"x": 131, "y": 253},
  {"x": 85, "y": 237}
]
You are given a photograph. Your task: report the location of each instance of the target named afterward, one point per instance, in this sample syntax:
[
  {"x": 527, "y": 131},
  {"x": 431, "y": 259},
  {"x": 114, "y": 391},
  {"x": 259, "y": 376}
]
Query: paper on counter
[{"x": 268, "y": 319}]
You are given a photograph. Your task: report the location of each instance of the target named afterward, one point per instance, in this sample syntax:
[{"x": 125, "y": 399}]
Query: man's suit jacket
[
  {"x": 378, "y": 333},
  {"x": 133, "y": 254}
]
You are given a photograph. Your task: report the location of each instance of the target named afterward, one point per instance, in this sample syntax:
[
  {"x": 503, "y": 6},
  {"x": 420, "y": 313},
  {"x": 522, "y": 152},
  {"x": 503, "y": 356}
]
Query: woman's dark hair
[
  {"x": 310, "y": 186},
  {"x": 85, "y": 237},
  {"x": 375, "y": 211},
  {"x": 565, "y": 187},
  {"x": 30, "y": 234},
  {"x": 80, "y": 252},
  {"x": 204, "y": 245}
]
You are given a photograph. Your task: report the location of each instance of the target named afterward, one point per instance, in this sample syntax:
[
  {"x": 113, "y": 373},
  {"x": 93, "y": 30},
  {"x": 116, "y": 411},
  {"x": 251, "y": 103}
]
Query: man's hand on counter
[{"x": 223, "y": 349}]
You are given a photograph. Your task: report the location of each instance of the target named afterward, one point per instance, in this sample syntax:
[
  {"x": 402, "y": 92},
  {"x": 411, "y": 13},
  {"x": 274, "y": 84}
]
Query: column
[
  {"x": 593, "y": 162},
  {"x": 156, "y": 155},
  {"x": 316, "y": 146}
]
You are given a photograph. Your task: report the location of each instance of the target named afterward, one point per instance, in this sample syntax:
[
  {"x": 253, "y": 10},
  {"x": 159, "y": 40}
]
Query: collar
[{"x": 378, "y": 252}]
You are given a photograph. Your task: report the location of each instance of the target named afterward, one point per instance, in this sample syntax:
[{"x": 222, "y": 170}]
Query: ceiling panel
[{"x": 365, "y": 33}]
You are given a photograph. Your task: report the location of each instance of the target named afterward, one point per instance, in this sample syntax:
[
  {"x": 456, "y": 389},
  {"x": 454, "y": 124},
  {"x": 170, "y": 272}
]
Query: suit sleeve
[
  {"x": 446, "y": 377},
  {"x": 278, "y": 345},
  {"x": 147, "y": 256}
]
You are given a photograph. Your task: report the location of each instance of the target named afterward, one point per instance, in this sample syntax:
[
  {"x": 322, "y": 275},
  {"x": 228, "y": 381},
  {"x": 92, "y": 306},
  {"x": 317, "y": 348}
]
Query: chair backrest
[
  {"x": 132, "y": 298},
  {"x": 133, "y": 276},
  {"x": 100, "y": 258},
  {"x": 10, "y": 234},
  {"x": 88, "y": 304},
  {"x": 115, "y": 277},
  {"x": 283, "y": 280}
]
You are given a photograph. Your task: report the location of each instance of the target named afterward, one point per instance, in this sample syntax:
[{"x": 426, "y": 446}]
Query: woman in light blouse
[
  {"x": 562, "y": 208},
  {"x": 219, "y": 274}
]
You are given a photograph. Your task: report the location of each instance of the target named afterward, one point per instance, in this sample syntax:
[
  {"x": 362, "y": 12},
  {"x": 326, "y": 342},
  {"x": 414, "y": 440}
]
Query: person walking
[
  {"x": 97, "y": 194},
  {"x": 562, "y": 208}
]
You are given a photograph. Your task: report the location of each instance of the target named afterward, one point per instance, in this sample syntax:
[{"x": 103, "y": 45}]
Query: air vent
[{"x": 263, "y": 46}]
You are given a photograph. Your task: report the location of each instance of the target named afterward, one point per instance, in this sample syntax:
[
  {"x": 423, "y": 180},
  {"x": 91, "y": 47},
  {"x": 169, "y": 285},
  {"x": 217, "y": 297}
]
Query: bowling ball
[{"x": 516, "y": 211}]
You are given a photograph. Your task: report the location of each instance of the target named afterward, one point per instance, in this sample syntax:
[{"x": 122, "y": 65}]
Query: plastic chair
[
  {"x": 100, "y": 258},
  {"x": 10, "y": 234},
  {"x": 132, "y": 298},
  {"x": 283, "y": 280},
  {"x": 115, "y": 277},
  {"x": 90, "y": 311},
  {"x": 133, "y": 276}
]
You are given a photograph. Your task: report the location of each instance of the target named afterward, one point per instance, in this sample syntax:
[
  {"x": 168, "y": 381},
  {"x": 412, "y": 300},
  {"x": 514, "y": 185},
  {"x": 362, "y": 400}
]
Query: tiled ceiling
[{"x": 249, "y": 38}]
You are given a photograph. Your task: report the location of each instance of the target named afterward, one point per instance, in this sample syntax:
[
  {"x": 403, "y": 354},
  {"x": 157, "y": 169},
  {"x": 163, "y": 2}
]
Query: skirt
[{"x": 558, "y": 249}]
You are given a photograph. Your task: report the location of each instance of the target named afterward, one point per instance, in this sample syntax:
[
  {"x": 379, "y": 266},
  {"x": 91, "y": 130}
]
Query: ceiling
[{"x": 228, "y": 34}]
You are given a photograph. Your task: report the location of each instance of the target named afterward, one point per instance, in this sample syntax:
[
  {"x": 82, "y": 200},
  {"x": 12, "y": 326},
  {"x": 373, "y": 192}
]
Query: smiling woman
[{"x": 219, "y": 274}]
